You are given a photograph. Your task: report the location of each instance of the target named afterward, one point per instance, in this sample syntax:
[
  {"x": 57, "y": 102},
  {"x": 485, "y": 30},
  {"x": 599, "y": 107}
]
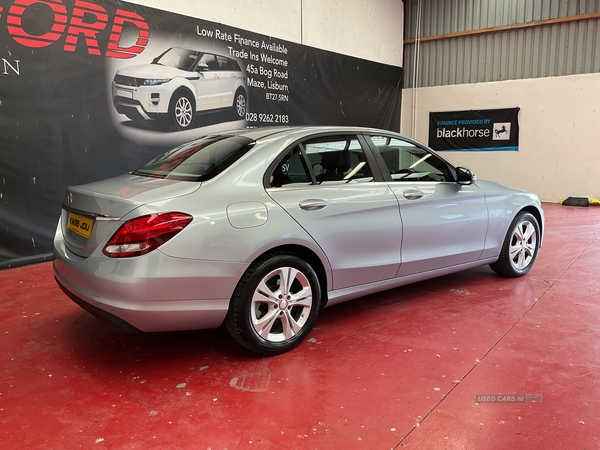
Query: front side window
[
  {"x": 407, "y": 162},
  {"x": 210, "y": 61},
  {"x": 199, "y": 160}
]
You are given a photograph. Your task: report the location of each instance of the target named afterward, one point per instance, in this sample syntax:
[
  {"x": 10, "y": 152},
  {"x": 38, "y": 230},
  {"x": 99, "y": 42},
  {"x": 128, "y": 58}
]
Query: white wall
[
  {"x": 368, "y": 29},
  {"x": 559, "y": 124}
]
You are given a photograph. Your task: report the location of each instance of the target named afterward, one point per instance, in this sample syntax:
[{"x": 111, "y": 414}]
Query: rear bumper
[
  {"x": 153, "y": 292},
  {"x": 109, "y": 319}
]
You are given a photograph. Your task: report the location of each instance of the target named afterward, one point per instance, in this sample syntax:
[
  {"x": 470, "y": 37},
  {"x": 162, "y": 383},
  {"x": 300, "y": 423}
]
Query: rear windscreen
[{"x": 198, "y": 160}]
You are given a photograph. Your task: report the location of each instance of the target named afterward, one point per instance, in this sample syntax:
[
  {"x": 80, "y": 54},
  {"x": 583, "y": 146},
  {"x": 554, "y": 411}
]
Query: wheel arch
[
  {"x": 538, "y": 216},
  {"x": 520, "y": 248},
  {"x": 183, "y": 90},
  {"x": 241, "y": 85},
  {"x": 310, "y": 257},
  {"x": 242, "y": 88}
]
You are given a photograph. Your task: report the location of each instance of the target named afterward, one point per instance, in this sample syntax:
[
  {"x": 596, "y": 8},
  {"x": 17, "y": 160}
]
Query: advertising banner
[
  {"x": 92, "y": 89},
  {"x": 475, "y": 130}
]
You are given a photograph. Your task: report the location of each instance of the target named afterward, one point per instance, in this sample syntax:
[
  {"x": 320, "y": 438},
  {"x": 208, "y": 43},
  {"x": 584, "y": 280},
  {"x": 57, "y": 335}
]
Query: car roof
[
  {"x": 262, "y": 132},
  {"x": 203, "y": 52}
]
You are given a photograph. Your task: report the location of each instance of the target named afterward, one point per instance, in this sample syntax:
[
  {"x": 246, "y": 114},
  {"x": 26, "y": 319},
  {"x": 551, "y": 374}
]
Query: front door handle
[
  {"x": 412, "y": 194},
  {"x": 312, "y": 204}
]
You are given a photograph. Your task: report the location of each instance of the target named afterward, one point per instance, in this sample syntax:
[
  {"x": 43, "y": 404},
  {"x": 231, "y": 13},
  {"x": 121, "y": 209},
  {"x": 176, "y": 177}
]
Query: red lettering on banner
[
  {"x": 121, "y": 18},
  {"x": 15, "y": 28},
  {"x": 87, "y": 21},
  {"x": 89, "y": 30}
]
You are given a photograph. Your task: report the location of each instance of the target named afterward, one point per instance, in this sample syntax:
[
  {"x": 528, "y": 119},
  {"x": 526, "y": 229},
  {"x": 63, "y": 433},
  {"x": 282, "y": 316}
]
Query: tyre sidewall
[
  {"x": 252, "y": 339},
  {"x": 505, "y": 254},
  {"x": 172, "y": 119},
  {"x": 240, "y": 93}
]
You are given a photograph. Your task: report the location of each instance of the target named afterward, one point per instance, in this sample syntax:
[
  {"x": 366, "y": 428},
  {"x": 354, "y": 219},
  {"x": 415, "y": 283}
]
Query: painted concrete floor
[{"x": 397, "y": 369}]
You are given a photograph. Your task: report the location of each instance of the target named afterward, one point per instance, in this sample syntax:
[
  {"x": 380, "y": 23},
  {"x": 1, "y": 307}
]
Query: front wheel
[
  {"x": 275, "y": 304},
  {"x": 181, "y": 111},
  {"x": 520, "y": 247}
]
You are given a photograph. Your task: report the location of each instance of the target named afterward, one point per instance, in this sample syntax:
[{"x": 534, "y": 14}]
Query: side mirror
[
  {"x": 202, "y": 67},
  {"x": 464, "y": 176}
]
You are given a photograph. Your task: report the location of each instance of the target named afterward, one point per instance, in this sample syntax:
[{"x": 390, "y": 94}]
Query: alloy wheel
[
  {"x": 183, "y": 112},
  {"x": 240, "y": 105},
  {"x": 281, "y": 304},
  {"x": 523, "y": 245}
]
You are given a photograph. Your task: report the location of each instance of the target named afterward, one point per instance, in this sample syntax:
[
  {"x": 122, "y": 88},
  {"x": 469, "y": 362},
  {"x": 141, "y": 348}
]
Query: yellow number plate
[{"x": 80, "y": 224}]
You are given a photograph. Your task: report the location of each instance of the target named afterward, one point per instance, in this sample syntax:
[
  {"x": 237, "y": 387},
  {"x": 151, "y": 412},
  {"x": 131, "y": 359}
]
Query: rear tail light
[{"x": 143, "y": 234}]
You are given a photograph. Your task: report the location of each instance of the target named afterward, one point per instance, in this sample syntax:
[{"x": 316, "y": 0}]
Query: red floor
[{"x": 397, "y": 369}]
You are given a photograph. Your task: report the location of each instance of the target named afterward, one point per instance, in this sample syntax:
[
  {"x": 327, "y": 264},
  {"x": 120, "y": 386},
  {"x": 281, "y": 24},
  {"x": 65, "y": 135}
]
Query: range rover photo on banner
[
  {"x": 180, "y": 87},
  {"x": 177, "y": 85},
  {"x": 196, "y": 77}
]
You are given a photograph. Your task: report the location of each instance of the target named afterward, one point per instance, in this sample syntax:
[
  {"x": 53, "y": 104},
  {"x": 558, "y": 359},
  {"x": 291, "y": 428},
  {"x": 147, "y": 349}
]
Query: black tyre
[
  {"x": 275, "y": 304},
  {"x": 240, "y": 103},
  {"x": 181, "y": 110},
  {"x": 520, "y": 247}
]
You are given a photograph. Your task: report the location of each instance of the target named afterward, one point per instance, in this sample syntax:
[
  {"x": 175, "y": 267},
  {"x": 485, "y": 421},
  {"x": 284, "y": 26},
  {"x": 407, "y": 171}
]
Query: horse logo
[{"x": 501, "y": 131}]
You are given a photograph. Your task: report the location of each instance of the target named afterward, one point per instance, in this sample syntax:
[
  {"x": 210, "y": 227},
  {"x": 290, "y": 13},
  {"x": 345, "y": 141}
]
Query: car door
[
  {"x": 327, "y": 186},
  {"x": 208, "y": 84},
  {"x": 444, "y": 222}
]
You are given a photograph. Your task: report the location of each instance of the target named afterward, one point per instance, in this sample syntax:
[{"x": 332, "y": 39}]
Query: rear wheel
[
  {"x": 520, "y": 247},
  {"x": 240, "y": 103},
  {"x": 275, "y": 304}
]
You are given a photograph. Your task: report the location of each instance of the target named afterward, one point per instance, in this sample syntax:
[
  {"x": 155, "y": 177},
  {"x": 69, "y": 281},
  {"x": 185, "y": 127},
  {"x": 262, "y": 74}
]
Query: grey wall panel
[{"x": 549, "y": 50}]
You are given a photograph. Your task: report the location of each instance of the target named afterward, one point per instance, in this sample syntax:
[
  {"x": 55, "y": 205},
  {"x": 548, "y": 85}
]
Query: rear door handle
[
  {"x": 312, "y": 204},
  {"x": 412, "y": 194}
]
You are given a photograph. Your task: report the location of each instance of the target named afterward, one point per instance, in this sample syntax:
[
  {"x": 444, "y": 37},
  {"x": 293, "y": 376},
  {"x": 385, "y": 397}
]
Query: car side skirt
[{"x": 350, "y": 293}]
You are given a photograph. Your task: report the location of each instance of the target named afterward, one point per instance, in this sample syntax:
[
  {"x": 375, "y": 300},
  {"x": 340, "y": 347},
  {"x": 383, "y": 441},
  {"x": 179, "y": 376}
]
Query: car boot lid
[{"x": 116, "y": 197}]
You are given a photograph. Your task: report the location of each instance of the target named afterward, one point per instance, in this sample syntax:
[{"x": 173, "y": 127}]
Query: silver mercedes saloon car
[{"x": 259, "y": 229}]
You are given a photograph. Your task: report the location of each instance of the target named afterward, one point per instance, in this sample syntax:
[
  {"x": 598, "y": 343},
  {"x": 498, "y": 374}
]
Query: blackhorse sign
[{"x": 475, "y": 130}]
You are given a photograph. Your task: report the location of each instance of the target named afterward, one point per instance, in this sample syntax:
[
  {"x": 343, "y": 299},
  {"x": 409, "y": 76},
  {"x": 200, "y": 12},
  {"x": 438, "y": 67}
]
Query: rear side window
[
  {"x": 332, "y": 160},
  {"x": 291, "y": 171},
  {"x": 338, "y": 160},
  {"x": 227, "y": 64},
  {"x": 199, "y": 160}
]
